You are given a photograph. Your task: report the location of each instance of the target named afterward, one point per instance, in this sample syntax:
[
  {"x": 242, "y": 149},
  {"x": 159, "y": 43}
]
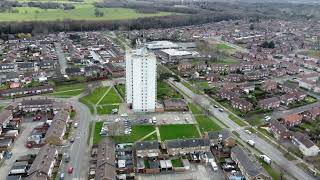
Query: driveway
[{"x": 19, "y": 148}]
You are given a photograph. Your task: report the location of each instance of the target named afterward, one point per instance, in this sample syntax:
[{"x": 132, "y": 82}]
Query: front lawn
[
  {"x": 178, "y": 131},
  {"x": 306, "y": 101}
]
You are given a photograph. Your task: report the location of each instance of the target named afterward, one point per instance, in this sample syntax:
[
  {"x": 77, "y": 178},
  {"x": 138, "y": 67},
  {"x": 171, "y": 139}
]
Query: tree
[
  {"x": 271, "y": 45},
  {"x": 98, "y": 13}
]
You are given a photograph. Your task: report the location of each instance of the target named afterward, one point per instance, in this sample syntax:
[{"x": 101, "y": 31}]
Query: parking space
[
  {"x": 197, "y": 172},
  {"x": 19, "y": 148}
]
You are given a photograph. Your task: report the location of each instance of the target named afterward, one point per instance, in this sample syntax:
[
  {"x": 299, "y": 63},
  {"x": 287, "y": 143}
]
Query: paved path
[
  {"x": 146, "y": 136},
  {"x": 158, "y": 134},
  {"x": 107, "y": 91}
]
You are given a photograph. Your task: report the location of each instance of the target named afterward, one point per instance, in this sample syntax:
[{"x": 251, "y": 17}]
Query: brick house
[
  {"x": 241, "y": 104},
  {"x": 269, "y": 103},
  {"x": 269, "y": 85},
  {"x": 147, "y": 149},
  {"x": 186, "y": 146},
  {"x": 278, "y": 130},
  {"x": 292, "y": 120}
]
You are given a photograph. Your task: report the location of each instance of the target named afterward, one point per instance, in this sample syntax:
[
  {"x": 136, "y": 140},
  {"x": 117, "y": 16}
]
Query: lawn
[
  {"x": 201, "y": 84},
  {"x": 195, "y": 109},
  {"x": 164, "y": 91},
  {"x": 85, "y": 101},
  {"x": 207, "y": 123},
  {"x": 191, "y": 88},
  {"x": 106, "y": 109},
  {"x": 311, "y": 53},
  {"x": 96, "y": 95},
  {"x": 81, "y": 12},
  {"x": 96, "y": 136},
  {"x": 111, "y": 98},
  {"x": 177, "y": 163},
  {"x": 138, "y": 132},
  {"x": 66, "y": 91},
  {"x": 121, "y": 89},
  {"x": 73, "y": 114},
  {"x": 237, "y": 120},
  {"x": 178, "y": 131}
]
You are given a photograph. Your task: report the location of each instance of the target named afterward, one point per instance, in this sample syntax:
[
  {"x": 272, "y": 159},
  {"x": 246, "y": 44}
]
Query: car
[
  {"x": 267, "y": 118},
  {"x": 248, "y": 131},
  {"x": 72, "y": 140},
  {"x": 75, "y": 125},
  {"x": 66, "y": 157},
  {"x": 251, "y": 143},
  {"x": 215, "y": 106},
  {"x": 70, "y": 169},
  {"x": 220, "y": 109}
]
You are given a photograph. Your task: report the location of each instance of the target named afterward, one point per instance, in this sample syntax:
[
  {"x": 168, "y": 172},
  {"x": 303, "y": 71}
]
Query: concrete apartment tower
[{"x": 141, "y": 72}]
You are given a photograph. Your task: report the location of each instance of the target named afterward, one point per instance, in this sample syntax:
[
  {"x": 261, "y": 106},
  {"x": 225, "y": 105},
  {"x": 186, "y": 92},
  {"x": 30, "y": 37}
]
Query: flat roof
[{"x": 175, "y": 52}]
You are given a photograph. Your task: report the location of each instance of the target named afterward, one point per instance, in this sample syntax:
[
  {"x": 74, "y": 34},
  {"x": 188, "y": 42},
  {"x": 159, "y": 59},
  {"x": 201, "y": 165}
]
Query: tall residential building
[{"x": 141, "y": 80}]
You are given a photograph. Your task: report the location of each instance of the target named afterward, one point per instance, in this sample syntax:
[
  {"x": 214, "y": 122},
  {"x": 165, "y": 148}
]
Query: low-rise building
[
  {"x": 269, "y": 103},
  {"x": 222, "y": 137},
  {"x": 43, "y": 164},
  {"x": 305, "y": 145},
  {"x": 57, "y": 128},
  {"x": 278, "y": 130},
  {"x": 147, "y": 149},
  {"x": 248, "y": 165},
  {"x": 241, "y": 104},
  {"x": 186, "y": 146},
  {"x": 269, "y": 85},
  {"x": 33, "y": 105},
  {"x": 175, "y": 105},
  {"x": 105, "y": 167},
  {"x": 292, "y": 120}
]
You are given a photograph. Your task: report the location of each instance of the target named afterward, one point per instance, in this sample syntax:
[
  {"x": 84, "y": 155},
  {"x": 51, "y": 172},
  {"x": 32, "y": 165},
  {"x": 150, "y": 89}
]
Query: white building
[
  {"x": 305, "y": 145},
  {"x": 141, "y": 80}
]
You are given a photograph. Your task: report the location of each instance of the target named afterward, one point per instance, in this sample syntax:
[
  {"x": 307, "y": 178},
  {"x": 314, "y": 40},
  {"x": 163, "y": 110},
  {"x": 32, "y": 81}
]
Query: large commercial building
[{"x": 141, "y": 80}]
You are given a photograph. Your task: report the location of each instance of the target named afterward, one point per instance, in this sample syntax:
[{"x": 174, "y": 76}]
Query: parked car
[
  {"x": 75, "y": 125},
  {"x": 248, "y": 131},
  {"x": 266, "y": 159},
  {"x": 221, "y": 110}
]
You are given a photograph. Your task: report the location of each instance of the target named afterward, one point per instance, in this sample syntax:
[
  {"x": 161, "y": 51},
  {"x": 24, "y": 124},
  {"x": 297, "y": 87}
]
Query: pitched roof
[
  {"x": 106, "y": 160},
  {"x": 186, "y": 143},
  {"x": 252, "y": 168},
  {"x": 146, "y": 145},
  {"x": 303, "y": 139},
  {"x": 45, "y": 157},
  {"x": 292, "y": 118}
]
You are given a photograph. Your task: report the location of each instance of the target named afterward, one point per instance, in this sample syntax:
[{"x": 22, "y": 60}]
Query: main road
[{"x": 261, "y": 144}]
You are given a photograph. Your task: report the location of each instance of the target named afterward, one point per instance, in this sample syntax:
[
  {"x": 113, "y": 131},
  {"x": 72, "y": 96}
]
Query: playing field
[
  {"x": 81, "y": 12},
  {"x": 178, "y": 131}
]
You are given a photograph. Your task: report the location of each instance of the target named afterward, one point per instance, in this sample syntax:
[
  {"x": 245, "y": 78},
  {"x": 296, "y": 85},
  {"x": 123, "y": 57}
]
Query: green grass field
[
  {"x": 96, "y": 136},
  {"x": 237, "y": 120},
  {"x": 67, "y": 91},
  {"x": 311, "y": 53},
  {"x": 96, "y": 95},
  {"x": 121, "y": 89},
  {"x": 165, "y": 91},
  {"x": 207, "y": 123},
  {"x": 138, "y": 132},
  {"x": 111, "y": 98},
  {"x": 81, "y": 12},
  {"x": 178, "y": 131}
]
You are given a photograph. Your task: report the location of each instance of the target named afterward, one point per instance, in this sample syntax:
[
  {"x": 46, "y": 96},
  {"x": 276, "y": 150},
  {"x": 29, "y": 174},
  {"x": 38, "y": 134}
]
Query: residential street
[{"x": 261, "y": 144}]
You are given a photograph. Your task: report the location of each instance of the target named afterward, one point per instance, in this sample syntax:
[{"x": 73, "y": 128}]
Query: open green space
[
  {"x": 311, "y": 53},
  {"x": 96, "y": 95},
  {"x": 138, "y": 132},
  {"x": 177, "y": 163},
  {"x": 96, "y": 136},
  {"x": 86, "y": 102},
  {"x": 178, "y": 131},
  {"x": 237, "y": 120},
  {"x": 111, "y": 98},
  {"x": 191, "y": 88},
  {"x": 164, "y": 91},
  {"x": 81, "y": 12},
  {"x": 207, "y": 123},
  {"x": 106, "y": 109},
  {"x": 70, "y": 90},
  {"x": 121, "y": 89}
]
